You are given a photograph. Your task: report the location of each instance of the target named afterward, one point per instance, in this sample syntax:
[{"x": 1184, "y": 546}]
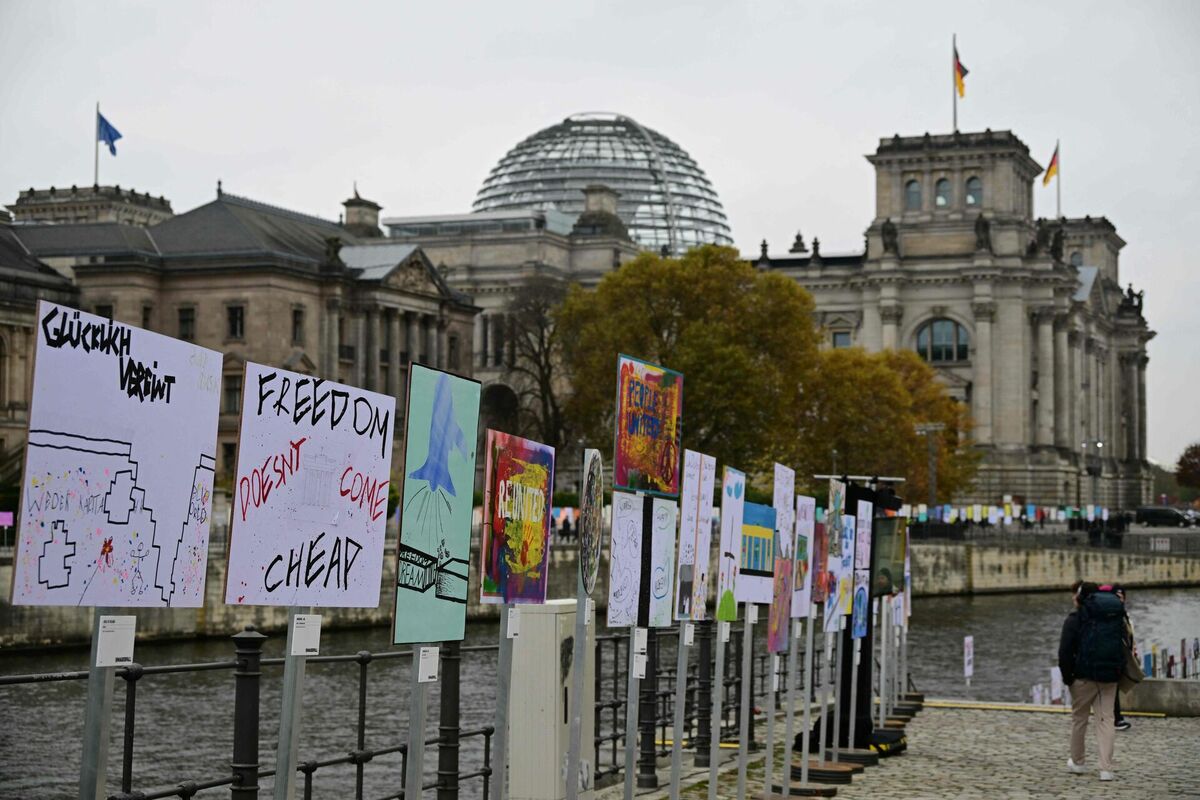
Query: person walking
[
  {"x": 1120, "y": 723},
  {"x": 1091, "y": 654}
]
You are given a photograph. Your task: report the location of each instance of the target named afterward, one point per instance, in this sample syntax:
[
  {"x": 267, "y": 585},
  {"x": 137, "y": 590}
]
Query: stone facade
[
  {"x": 1023, "y": 319},
  {"x": 76, "y": 205},
  {"x": 488, "y": 255},
  {"x": 265, "y": 284},
  {"x": 23, "y": 282}
]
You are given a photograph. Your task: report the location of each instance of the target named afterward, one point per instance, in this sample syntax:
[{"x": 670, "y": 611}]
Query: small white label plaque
[
  {"x": 427, "y": 665},
  {"x": 114, "y": 646},
  {"x": 306, "y": 635}
]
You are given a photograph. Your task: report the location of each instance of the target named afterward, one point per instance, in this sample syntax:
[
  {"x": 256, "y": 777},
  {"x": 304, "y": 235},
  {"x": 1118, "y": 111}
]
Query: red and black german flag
[{"x": 960, "y": 72}]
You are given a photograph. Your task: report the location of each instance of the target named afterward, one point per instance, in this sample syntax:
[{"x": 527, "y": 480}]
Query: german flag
[
  {"x": 1051, "y": 170},
  {"x": 960, "y": 72}
]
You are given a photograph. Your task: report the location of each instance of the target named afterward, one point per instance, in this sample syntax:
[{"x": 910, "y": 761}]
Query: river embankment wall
[{"x": 950, "y": 568}]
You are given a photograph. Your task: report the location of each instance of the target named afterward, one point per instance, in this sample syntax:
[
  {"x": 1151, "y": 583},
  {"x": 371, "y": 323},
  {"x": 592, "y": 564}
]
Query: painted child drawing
[
  {"x": 649, "y": 414},
  {"x": 435, "y": 521},
  {"x": 514, "y": 552},
  {"x": 733, "y": 499}
]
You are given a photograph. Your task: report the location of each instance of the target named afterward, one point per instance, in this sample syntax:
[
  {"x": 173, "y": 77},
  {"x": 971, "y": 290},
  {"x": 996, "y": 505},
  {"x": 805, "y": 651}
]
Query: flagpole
[
  {"x": 1058, "y": 180},
  {"x": 954, "y": 77},
  {"x": 96, "y": 143}
]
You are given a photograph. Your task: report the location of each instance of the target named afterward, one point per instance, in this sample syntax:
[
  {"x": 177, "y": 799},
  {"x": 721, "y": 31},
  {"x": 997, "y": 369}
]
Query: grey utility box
[{"x": 540, "y": 710}]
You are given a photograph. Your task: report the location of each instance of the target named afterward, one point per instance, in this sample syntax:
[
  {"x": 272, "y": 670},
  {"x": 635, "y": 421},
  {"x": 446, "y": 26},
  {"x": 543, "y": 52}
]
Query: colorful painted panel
[
  {"x": 821, "y": 577},
  {"x": 838, "y": 603},
  {"x": 858, "y": 625},
  {"x": 862, "y": 535},
  {"x": 781, "y": 606},
  {"x": 784, "y": 503},
  {"x": 591, "y": 519},
  {"x": 514, "y": 551},
  {"x": 729, "y": 554},
  {"x": 806, "y": 512},
  {"x": 441, "y": 426},
  {"x": 649, "y": 428},
  {"x": 756, "y": 571}
]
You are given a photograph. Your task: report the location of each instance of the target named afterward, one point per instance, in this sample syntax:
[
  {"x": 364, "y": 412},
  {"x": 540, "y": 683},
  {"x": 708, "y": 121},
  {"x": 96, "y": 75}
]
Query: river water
[{"x": 184, "y": 722}]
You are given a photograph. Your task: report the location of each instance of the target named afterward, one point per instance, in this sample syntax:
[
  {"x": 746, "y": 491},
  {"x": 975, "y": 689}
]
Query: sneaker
[
  {"x": 1123, "y": 725},
  {"x": 1078, "y": 769},
  {"x": 1106, "y": 776}
]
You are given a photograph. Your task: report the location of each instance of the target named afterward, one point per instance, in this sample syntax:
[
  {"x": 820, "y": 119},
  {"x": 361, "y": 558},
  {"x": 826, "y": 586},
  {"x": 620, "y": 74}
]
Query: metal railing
[{"x": 656, "y": 713}]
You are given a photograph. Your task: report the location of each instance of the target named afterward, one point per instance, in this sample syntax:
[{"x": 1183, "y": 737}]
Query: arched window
[
  {"x": 941, "y": 193},
  {"x": 912, "y": 196},
  {"x": 974, "y": 192},
  {"x": 1077, "y": 259},
  {"x": 942, "y": 340}
]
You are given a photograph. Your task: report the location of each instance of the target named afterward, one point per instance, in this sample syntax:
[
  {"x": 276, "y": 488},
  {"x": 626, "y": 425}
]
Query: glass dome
[{"x": 665, "y": 198}]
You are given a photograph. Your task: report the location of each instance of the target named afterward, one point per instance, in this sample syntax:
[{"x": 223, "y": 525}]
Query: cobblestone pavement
[{"x": 1008, "y": 755}]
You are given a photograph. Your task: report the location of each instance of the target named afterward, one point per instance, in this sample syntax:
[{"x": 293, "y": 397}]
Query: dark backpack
[{"x": 1101, "y": 653}]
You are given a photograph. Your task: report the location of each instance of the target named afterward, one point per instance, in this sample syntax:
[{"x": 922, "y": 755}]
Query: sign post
[
  {"x": 733, "y": 497},
  {"x": 968, "y": 658},
  {"x": 589, "y": 530},
  {"x": 294, "y": 661},
  {"x": 94, "y": 769},
  {"x": 744, "y": 711}
]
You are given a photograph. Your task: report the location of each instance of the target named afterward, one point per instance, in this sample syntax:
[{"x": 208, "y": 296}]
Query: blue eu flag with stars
[{"x": 105, "y": 132}]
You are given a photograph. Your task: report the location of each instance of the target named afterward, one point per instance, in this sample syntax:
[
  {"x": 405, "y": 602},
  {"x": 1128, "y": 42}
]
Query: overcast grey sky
[{"x": 777, "y": 101}]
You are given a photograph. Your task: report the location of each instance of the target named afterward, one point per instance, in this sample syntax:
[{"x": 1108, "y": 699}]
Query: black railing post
[
  {"x": 647, "y": 774},
  {"x": 364, "y": 658},
  {"x": 749, "y": 684},
  {"x": 131, "y": 674},
  {"x": 448, "y": 723},
  {"x": 247, "y": 646},
  {"x": 704, "y": 730}
]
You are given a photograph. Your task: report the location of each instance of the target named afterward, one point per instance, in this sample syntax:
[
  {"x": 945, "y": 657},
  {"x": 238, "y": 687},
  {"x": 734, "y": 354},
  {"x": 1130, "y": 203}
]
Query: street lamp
[{"x": 1084, "y": 465}]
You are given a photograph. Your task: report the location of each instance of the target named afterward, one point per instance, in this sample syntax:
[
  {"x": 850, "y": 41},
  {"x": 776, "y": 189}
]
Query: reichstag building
[{"x": 1024, "y": 320}]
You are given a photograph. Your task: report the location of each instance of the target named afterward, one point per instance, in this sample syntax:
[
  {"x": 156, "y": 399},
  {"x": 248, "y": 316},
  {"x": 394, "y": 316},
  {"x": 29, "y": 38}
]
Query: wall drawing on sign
[
  {"x": 514, "y": 547},
  {"x": 114, "y": 512},
  {"x": 704, "y": 531},
  {"x": 781, "y": 606},
  {"x": 685, "y": 569},
  {"x": 311, "y": 492},
  {"x": 435, "y": 521},
  {"x": 648, "y": 427},
  {"x": 625, "y": 557},
  {"x": 729, "y": 554},
  {"x": 662, "y": 559},
  {"x": 805, "y": 511}
]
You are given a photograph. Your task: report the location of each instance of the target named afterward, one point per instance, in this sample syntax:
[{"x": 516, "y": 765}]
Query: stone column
[
  {"x": 360, "y": 349},
  {"x": 1141, "y": 395},
  {"x": 1129, "y": 392},
  {"x": 890, "y": 316},
  {"x": 981, "y": 390},
  {"x": 333, "y": 313},
  {"x": 1062, "y": 414},
  {"x": 1045, "y": 379},
  {"x": 1011, "y": 374},
  {"x": 413, "y": 342},
  {"x": 371, "y": 359},
  {"x": 443, "y": 342},
  {"x": 1093, "y": 391},
  {"x": 395, "y": 367},
  {"x": 489, "y": 345},
  {"x": 478, "y": 357},
  {"x": 429, "y": 338}
]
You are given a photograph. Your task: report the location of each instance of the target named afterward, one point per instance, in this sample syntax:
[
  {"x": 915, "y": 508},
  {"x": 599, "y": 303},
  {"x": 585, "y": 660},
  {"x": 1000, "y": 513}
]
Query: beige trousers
[{"x": 1098, "y": 697}]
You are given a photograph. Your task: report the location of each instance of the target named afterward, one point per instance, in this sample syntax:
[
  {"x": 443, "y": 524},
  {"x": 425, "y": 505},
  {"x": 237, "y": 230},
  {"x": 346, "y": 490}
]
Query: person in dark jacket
[{"x": 1090, "y": 636}]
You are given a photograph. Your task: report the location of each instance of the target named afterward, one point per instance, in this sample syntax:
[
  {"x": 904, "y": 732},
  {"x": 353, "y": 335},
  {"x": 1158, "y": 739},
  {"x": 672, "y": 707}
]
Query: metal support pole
[
  {"x": 808, "y": 685},
  {"x": 704, "y": 715},
  {"x": 747, "y": 701},
  {"x": 883, "y": 663},
  {"x": 837, "y": 693},
  {"x": 449, "y": 725},
  {"x": 681, "y": 666},
  {"x": 94, "y": 768},
  {"x": 290, "y": 714},
  {"x": 577, "y": 778},
  {"x": 826, "y": 693},
  {"x": 854, "y": 651},
  {"x": 631, "y": 715},
  {"x": 247, "y": 647},
  {"x": 769, "y": 762},
  {"x": 503, "y": 690},
  {"x": 789, "y": 729},
  {"x": 647, "y": 777},
  {"x": 718, "y": 713},
  {"x": 413, "y": 778},
  {"x": 904, "y": 658}
]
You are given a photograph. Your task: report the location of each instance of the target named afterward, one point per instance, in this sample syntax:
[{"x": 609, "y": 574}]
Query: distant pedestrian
[
  {"x": 1091, "y": 654},
  {"x": 1119, "y": 721},
  {"x": 566, "y": 528}
]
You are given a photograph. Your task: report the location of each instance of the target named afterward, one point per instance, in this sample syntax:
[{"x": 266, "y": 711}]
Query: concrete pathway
[{"x": 1009, "y": 755}]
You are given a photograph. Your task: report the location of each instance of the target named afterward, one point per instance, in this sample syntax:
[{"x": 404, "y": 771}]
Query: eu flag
[{"x": 105, "y": 132}]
